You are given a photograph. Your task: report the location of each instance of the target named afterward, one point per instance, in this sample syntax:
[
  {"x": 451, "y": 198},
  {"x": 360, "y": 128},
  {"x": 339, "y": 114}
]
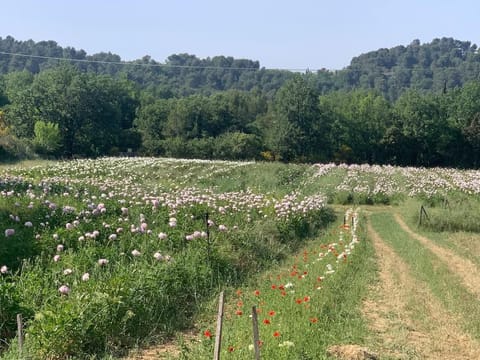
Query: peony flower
[
  {"x": 9, "y": 232},
  {"x": 56, "y": 258},
  {"x": 3, "y": 269},
  {"x": 158, "y": 256},
  {"x": 222, "y": 228},
  {"x": 112, "y": 237},
  {"x": 135, "y": 252},
  {"x": 162, "y": 236},
  {"x": 67, "y": 271},
  {"x": 85, "y": 277},
  {"x": 102, "y": 262},
  {"x": 28, "y": 224},
  {"x": 60, "y": 248},
  {"x": 64, "y": 289}
]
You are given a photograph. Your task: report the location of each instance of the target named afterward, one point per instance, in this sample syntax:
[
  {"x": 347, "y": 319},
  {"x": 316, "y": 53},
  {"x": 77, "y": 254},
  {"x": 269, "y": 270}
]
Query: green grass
[
  {"x": 429, "y": 269},
  {"x": 463, "y": 243},
  {"x": 331, "y": 315}
]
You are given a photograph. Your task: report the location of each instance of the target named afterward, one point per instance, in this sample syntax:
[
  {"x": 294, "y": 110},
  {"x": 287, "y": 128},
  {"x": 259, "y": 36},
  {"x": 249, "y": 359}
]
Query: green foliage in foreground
[
  {"x": 64, "y": 222},
  {"x": 308, "y": 310}
]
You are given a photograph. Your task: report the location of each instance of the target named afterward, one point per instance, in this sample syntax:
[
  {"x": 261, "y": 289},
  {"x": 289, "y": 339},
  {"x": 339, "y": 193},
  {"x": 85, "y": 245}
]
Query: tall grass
[{"x": 301, "y": 310}]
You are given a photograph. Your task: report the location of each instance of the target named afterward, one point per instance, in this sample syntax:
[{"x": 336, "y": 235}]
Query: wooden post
[
  {"x": 208, "y": 237},
  {"x": 218, "y": 334},
  {"x": 20, "y": 334},
  {"x": 423, "y": 213},
  {"x": 256, "y": 337}
]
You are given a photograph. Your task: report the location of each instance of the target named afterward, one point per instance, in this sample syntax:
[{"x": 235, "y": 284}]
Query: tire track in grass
[
  {"x": 409, "y": 321},
  {"x": 464, "y": 268}
]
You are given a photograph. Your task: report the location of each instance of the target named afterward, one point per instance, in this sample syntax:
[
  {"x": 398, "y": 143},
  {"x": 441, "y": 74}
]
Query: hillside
[{"x": 429, "y": 66}]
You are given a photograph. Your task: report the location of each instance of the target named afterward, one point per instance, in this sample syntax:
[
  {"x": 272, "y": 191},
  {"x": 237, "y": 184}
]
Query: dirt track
[
  {"x": 464, "y": 268},
  {"x": 408, "y": 320}
]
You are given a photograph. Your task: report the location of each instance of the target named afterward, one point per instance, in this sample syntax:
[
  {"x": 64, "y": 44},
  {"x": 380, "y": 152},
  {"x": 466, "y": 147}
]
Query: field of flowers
[
  {"x": 297, "y": 302},
  {"x": 99, "y": 254}
]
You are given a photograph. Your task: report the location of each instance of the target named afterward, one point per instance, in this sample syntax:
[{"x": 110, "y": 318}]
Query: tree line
[
  {"x": 65, "y": 112},
  {"x": 442, "y": 63}
]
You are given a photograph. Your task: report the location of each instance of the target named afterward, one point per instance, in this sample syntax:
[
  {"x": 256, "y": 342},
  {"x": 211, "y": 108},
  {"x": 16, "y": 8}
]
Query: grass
[
  {"x": 308, "y": 315},
  {"x": 429, "y": 269},
  {"x": 255, "y": 248},
  {"x": 463, "y": 243}
]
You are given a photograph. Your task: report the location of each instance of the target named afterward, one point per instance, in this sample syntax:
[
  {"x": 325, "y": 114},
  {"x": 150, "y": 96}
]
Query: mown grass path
[
  {"x": 411, "y": 309},
  {"x": 464, "y": 268}
]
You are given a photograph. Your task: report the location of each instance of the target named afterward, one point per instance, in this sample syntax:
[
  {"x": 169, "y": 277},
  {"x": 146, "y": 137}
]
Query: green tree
[
  {"x": 47, "y": 138},
  {"x": 296, "y": 125}
]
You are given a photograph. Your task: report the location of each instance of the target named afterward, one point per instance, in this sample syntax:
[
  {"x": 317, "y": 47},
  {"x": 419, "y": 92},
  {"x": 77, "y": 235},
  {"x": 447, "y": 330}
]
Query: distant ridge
[{"x": 441, "y": 64}]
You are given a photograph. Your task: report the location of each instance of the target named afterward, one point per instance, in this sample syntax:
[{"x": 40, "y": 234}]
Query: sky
[{"x": 293, "y": 35}]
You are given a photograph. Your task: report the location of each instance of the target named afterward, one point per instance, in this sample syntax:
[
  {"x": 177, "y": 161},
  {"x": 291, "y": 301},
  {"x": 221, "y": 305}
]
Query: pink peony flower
[
  {"x": 56, "y": 258},
  {"x": 64, "y": 289},
  {"x": 9, "y": 232},
  {"x": 85, "y": 277},
  {"x": 3, "y": 269},
  {"x": 162, "y": 236}
]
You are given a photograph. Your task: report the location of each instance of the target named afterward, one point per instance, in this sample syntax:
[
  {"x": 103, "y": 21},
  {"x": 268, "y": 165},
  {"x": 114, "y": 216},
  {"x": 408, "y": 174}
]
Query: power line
[{"x": 124, "y": 63}]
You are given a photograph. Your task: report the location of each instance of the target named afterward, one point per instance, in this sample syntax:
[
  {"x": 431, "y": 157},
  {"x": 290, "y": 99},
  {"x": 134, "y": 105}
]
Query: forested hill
[
  {"x": 441, "y": 63},
  {"x": 180, "y": 75}
]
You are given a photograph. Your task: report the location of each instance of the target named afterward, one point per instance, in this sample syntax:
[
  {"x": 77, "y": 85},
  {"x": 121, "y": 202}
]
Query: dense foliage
[{"x": 413, "y": 105}]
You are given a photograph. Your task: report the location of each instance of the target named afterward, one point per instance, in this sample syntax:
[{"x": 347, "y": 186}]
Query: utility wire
[{"x": 125, "y": 63}]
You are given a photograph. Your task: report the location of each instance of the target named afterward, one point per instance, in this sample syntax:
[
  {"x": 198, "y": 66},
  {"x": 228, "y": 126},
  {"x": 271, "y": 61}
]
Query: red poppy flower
[
  {"x": 239, "y": 312},
  {"x": 281, "y": 287},
  {"x": 256, "y": 292},
  {"x": 207, "y": 334},
  {"x": 240, "y": 303},
  {"x": 276, "y": 334},
  {"x": 299, "y": 301},
  {"x": 271, "y": 313},
  {"x": 313, "y": 320},
  {"x": 306, "y": 298},
  {"x": 239, "y": 292},
  {"x": 284, "y": 293},
  {"x": 231, "y": 348},
  {"x": 274, "y": 287},
  {"x": 266, "y": 321}
]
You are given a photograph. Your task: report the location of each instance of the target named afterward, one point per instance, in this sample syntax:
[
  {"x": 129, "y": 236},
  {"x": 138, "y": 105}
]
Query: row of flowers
[{"x": 287, "y": 297}]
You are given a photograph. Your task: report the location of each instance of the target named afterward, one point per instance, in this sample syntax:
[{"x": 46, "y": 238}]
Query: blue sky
[{"x": 295, "y": 34}]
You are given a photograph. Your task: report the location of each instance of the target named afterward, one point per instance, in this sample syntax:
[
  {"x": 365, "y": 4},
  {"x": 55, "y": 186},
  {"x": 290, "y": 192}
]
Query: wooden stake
[
  {"x": 20, "y": 333},
  {"x": 256, "y": 337},
  {"x": 218, "y": 334}
]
